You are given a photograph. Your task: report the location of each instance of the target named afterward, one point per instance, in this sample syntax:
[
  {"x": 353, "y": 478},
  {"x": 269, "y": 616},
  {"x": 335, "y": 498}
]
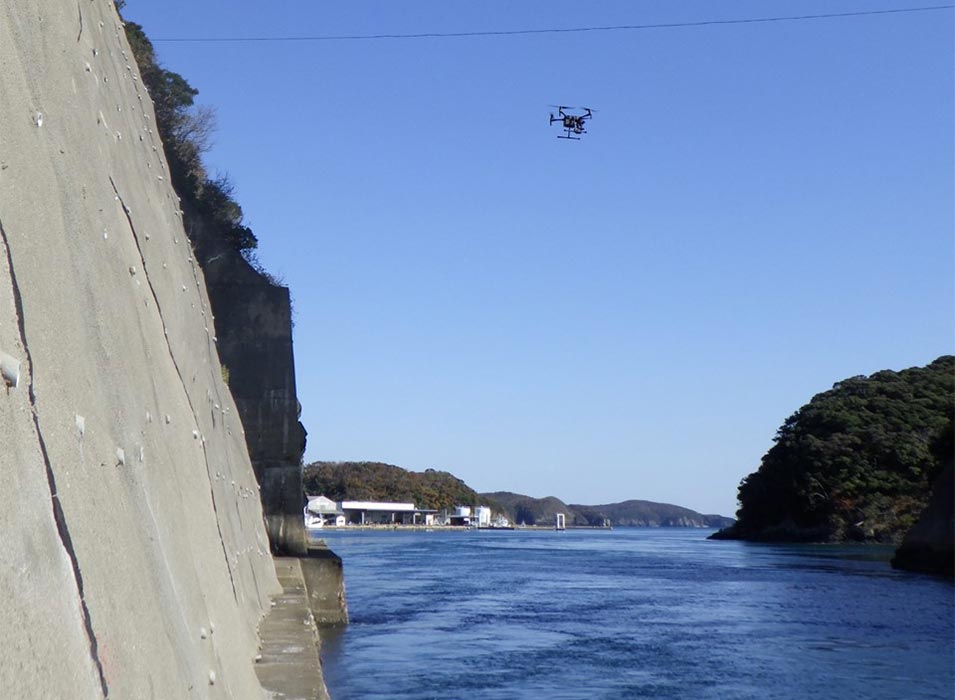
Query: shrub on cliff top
[{"x": 186, "y": 132}]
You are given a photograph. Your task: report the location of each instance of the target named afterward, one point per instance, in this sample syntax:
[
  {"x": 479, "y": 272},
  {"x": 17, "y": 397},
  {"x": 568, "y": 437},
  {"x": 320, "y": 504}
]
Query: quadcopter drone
[{"x": 572, "y": 124}]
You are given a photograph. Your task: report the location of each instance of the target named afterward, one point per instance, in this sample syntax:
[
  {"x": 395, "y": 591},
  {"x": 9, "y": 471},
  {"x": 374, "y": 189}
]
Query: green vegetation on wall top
[{"x": 186, "y": 132}]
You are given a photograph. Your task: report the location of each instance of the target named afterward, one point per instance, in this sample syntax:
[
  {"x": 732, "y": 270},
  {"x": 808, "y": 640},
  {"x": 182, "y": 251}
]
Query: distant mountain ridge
[
  {"x": 376, "y": 481},
  {"x": 650, "y": 514},
  {"x": 529, "y": 510}
]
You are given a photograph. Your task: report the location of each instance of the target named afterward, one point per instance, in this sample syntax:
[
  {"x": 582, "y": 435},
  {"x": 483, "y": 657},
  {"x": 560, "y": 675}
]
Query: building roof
[
  {"x": 322, "y": 506},
  {"x": 379, "y": 505}
]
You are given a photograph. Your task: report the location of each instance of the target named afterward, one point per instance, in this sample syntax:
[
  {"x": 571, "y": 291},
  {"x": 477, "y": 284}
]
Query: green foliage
[
  {"x": 215, "y": 200},
  {"x": 186, "y": 132},
  {"x": 856, "y": 462},
  {"x": 374, "y": 481}
]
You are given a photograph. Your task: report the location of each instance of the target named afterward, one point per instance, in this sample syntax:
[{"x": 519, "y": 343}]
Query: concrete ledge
[
  {"x": 325, "y": 584},
  {"x": 281, "y": 495},
  {"x": 289, "y": 666}
]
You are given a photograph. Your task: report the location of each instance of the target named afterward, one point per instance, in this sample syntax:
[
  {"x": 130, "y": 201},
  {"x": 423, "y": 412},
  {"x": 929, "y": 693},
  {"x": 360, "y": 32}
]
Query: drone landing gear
[{"x": 572, "y": 124}]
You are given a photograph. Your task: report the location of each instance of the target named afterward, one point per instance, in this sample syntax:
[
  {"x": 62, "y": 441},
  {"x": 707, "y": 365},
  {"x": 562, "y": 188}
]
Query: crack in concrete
[
  {"x": 58, "y": 515},
  {"x": 192, "y": 408},
  {"x": 210, "y": 350}
]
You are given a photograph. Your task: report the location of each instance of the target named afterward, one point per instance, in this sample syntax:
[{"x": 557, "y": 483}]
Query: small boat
[{"x": 314, "y": 524}]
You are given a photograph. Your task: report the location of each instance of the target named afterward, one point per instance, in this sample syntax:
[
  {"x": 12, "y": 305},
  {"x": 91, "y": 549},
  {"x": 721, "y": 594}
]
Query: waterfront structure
[
  {"x": 479, "y": 516},
  {"x": 385, "y": 513},
  {"x": 482, "y": 516},
  {"x": 323, "y": 512},
  {"x": 460, "y": 517},
  {"x": 502, "y": 523}
]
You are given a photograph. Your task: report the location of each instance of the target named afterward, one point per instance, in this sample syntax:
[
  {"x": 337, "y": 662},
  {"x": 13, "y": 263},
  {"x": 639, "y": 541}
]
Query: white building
[
  {"x": 466, "y": 516},
  {"x": 383, "y": 513},
  {"x": 323, "y": 512},
  {"x": 482, "y": 514}
]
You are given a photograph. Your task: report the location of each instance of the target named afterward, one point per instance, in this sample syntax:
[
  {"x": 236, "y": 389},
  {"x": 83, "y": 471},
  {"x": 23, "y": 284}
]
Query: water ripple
[{"x": 632, "y": 614}]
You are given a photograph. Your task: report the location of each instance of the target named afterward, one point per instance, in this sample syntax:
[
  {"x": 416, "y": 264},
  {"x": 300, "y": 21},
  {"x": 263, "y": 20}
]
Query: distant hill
[
  {"x": 376, "y": 481},
  {"x": 521, "y": 508},
  {"x": 650, "y": 514},
  {"x": 530, "y": 511}
]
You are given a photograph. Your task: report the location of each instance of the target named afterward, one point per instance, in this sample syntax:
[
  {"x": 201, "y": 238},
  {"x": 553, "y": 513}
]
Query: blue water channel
[{"x": 632, "y": 613}]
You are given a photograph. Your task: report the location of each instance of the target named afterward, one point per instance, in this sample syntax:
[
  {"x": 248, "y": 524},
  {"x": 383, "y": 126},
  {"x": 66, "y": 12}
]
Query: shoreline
[
  {"x": 318, "y": 533},
  {"x": 448, "y": 528}
]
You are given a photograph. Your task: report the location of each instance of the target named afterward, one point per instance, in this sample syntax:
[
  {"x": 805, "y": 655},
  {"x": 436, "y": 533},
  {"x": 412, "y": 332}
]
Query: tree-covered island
[{"x": 856, "y": 463}]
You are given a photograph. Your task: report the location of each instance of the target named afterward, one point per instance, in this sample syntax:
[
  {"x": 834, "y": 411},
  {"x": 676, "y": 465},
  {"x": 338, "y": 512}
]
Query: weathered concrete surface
[
  {"x": 135, "y": 561},
  {"x": 289, "y": 665},
  {"x": 325, "y": 584},
  {"x": 282, "y": 500},
  {"x": 254, "y": 325}
]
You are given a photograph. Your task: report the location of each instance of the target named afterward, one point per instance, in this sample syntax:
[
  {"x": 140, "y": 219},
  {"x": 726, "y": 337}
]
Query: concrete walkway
[{"x": 290, "y": 667}]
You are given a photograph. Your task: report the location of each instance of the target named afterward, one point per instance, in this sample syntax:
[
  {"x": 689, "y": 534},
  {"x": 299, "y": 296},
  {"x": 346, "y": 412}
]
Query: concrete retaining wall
[
  {"x": 135, "y": 560},
  {"x": 254, "y": 327}
]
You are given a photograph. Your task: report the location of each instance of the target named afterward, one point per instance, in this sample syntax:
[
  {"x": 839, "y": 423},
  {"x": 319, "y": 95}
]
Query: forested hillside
[
  {"x": 855, "y": 463},
  {"x": 375, "y": 481}
]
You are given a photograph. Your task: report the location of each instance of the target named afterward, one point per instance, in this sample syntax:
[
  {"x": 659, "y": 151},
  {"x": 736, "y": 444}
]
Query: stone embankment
[{"x": 135, "y": 559}]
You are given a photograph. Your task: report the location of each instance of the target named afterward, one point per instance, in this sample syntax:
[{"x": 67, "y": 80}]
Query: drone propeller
[{"x": 587, "y": 109}]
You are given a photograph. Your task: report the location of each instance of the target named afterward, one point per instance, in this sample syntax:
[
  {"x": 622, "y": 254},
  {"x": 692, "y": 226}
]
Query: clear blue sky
[{"x": 758, "y": 211}]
